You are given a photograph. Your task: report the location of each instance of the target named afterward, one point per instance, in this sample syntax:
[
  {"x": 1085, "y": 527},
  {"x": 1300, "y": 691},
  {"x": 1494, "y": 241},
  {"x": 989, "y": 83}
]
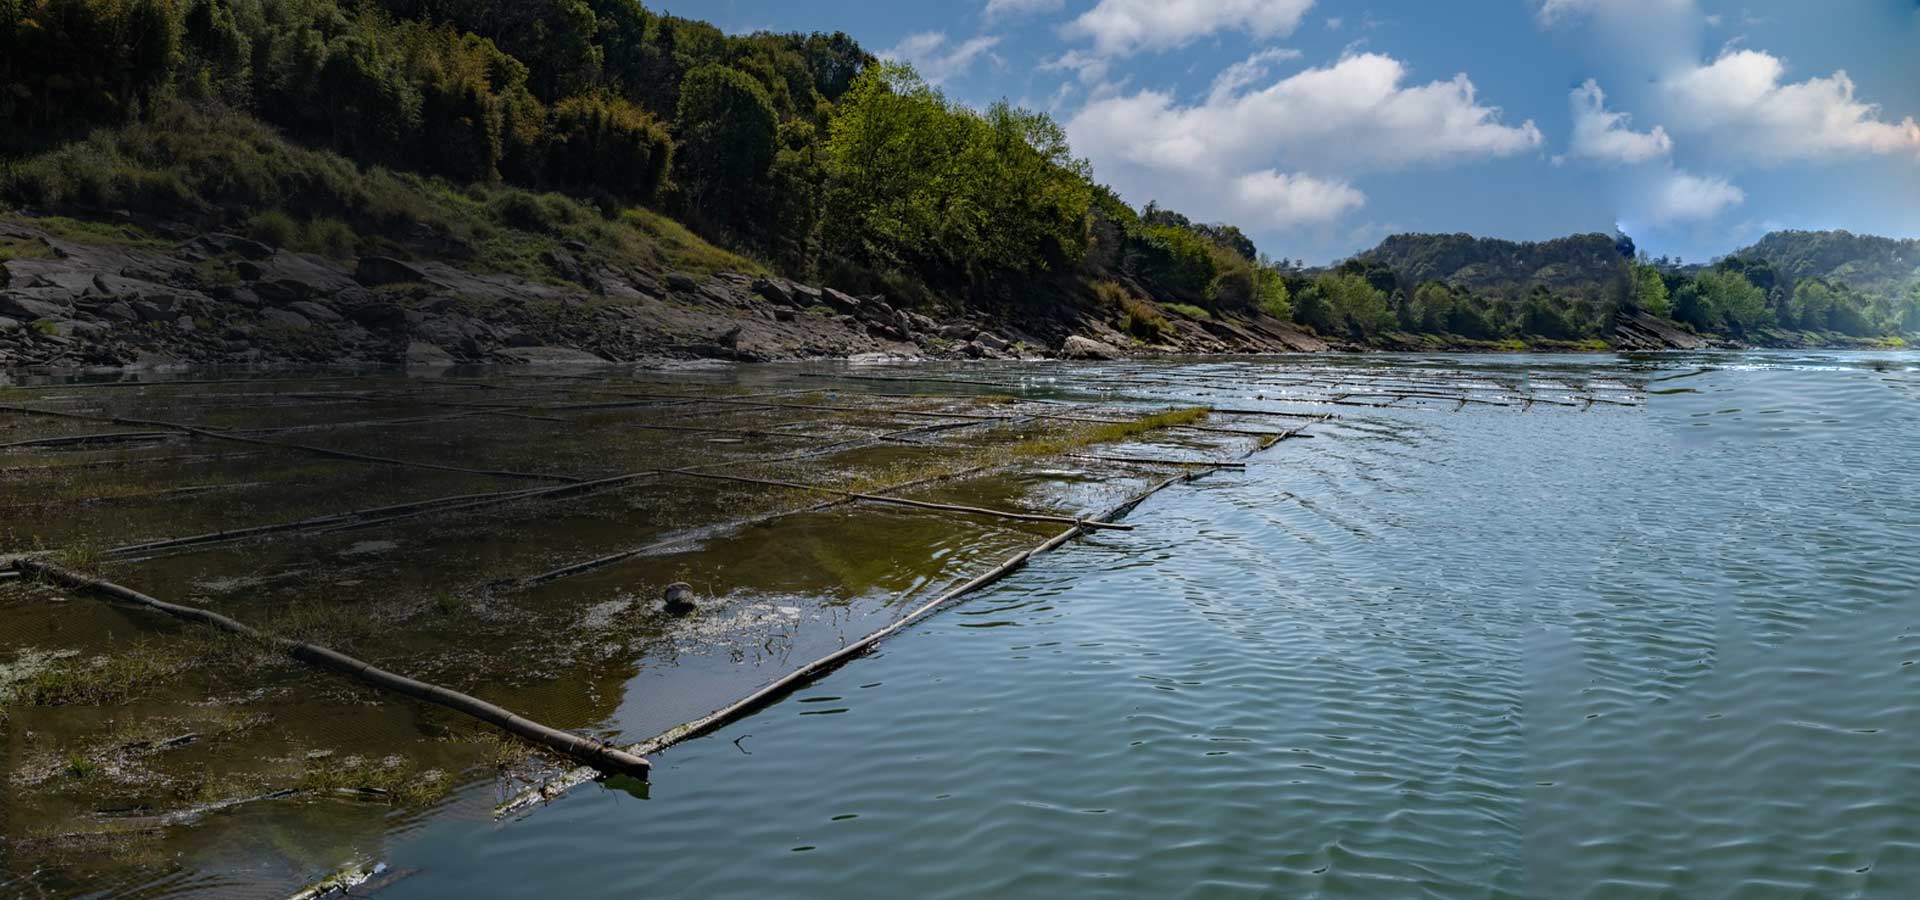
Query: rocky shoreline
[
  {"x": 216, "y": 299},
  {"x": 220, "y": 299}
]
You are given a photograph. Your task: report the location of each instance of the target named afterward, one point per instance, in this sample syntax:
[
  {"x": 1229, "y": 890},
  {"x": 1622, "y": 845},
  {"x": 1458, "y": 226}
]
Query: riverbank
[{"x": 77, "y": 294}]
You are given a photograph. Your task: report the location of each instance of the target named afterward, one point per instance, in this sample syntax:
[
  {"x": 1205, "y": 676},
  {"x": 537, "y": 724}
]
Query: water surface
[{"x": 1569, "y": 653}]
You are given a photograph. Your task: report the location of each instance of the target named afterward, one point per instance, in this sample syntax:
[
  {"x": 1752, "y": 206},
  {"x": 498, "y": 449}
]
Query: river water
[{"x": 1650, "y": 652}]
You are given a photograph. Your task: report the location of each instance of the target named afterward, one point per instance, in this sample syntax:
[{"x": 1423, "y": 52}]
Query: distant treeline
[{"x": 803, "y": 151}]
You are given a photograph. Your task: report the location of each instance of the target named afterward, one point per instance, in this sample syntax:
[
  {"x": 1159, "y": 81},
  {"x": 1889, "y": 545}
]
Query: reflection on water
[{"x": 1661, "y": 652}]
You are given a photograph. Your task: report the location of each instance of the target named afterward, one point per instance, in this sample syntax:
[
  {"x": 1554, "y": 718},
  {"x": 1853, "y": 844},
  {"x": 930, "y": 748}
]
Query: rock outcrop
[
  {"x": 223, "y": 299},
  {"x": 1644, "y": 331}
]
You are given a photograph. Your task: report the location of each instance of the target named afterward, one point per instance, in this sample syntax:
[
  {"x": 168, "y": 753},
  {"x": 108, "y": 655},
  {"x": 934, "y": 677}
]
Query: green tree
[
  {"x": 1649, "y": 291},
  {"x": 1720, "y": 300},
  {"x": 726, "y": 127},
  {"x": 1345, "y": 303},
  {"x": 608, "y": 144},
  {"x": 1270, "y": 293}
]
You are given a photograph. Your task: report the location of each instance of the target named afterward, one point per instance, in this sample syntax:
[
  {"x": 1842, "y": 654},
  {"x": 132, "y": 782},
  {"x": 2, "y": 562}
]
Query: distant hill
[
  {"x": 1869, "y": 264},
  {"x": 1580, "y": 264}
]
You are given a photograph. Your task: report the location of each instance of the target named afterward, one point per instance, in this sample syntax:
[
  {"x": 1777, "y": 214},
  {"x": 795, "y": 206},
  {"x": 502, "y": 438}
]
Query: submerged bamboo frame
[{"x": 598, "y": 754}]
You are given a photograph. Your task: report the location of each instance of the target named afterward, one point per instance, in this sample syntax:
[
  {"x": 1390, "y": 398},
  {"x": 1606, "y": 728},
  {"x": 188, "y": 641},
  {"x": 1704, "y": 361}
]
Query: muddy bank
[{"x": 128, "y": 297}]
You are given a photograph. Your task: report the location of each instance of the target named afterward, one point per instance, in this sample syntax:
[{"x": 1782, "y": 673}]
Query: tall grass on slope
[{"x": 215, "y": 168}]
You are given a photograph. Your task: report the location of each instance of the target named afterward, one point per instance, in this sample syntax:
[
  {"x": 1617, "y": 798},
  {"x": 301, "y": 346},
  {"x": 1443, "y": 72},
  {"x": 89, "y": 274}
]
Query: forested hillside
[
  {"x": 1861, "y": 261},
  {"x": 517, "y": 135}
]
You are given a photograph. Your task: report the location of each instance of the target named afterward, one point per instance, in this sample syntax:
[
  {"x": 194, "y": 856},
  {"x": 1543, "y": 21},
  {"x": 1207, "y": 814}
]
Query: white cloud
[
  {"x": 1353, "y": 115},
  {"x": 1121, "y": 27},
  {"x": 1245, "y": 152},
  {"x": 1741, "y": 102},
  {"x": 1602, "y": 135},
  {"x": 1000, "y": 8},
  {"x": 1682, "y": 196},
  {"x": 1247, "y": 71},
  {"x": 1272, "y": 199},
  {"x": 1090, "y": 68},
  {"x": 936, "y": 59}
]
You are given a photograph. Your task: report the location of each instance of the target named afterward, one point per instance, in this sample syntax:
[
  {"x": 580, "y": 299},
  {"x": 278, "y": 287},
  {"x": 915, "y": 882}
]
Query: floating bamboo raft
[{"x": 956, "y": 426}]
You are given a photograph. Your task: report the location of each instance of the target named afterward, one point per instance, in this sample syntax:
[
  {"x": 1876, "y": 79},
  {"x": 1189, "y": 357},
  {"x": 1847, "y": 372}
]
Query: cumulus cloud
[
  {"x": 1683, "y": 197},
  {"x": 937, "y": 59},
  {"x": 1742, "y": 101},
  {"x": 1275, "y": 153},
  {"x": 1008, "y": 8},
  {"x": 1605, "y": 136},
  {"x": 1122, "y": 27},
  {"x": 1356, "y": 114},
  {"x": 1273, "y": 199}
]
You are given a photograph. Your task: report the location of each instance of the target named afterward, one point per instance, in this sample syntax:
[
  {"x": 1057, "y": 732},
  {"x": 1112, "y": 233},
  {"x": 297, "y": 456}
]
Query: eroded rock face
[{"x": 1644, "y": 331}]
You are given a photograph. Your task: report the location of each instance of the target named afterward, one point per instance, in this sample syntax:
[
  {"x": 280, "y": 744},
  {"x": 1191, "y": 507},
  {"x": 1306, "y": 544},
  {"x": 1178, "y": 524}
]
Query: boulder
[
  {"x": 296, "y": 276},
  {"x": 315, "y": 312},
  {"x": 842, "y": 302},
  {"x": 1078, "y": 347},
  {"x": 378, "y": 270},
  {"x": 562, "y": 264},
  {"x": 121, "y": 311},
  {"x": 959, "y": 331},
  {"x": 681, "y": 281},
  {"x": 17, "y": 305},
  {"x": 153, "y": 310},
  {"x": 287, "y": 319},
  {"x": 421, "y": 354},
  {"x": 7, "y": 325},
  {"x": 774, "y": 291},
  {"x": 217, "y": 243},
  {"x": 993, "y": 341}
]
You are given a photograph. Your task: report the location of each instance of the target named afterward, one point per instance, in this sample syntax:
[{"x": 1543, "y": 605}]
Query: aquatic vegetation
[
  {"x": 394, "y": 780},
  {"x": 79, "y": 766},
  {"x": 114, "y": 678},
  {"x": 1083, "y": 436}
]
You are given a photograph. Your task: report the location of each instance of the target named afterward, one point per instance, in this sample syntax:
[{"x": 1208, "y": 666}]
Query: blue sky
[{"x": 1319, "y": 126}]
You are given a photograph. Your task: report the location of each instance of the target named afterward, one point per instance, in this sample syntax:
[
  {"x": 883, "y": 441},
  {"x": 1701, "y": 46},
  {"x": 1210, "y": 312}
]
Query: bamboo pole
[
  {"x": 897, "y": 501},
  {"x": 306, "y": 448},
  {"x": 597, "y": 754},
  {"x": 682, "y": 538},
  {"x": 111, "y": 438},
  {"x": 811, "y": 671},
  {"x": 1146, "y": 461},
  {"x": 384, "y": 515}
]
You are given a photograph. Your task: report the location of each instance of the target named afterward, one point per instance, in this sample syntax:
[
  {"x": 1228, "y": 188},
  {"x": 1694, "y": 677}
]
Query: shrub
[
  {"x": 276, "y": 229},
  {"x": 1140, "y": 319}
]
